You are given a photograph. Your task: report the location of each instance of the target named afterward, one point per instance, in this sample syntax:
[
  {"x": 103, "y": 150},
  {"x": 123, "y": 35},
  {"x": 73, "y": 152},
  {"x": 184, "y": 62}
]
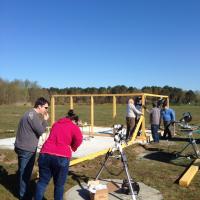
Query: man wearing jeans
[
  {"x": 168, "y": 117},
  {"x": 30, "y": 128},
  {"x": 155, "y": 121}
]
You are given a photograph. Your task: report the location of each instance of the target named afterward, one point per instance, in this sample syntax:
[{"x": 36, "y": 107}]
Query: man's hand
[
  {"x": 46, "y": 116},
  {"x": 173, "y": 122},
  {"x": 144, "y": 107}
]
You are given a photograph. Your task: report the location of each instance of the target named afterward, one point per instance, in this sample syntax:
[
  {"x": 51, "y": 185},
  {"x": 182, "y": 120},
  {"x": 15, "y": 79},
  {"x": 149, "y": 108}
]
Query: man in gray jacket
[
  {"x": 30, "y": 128},
  {"x": 155, "y": 121}
]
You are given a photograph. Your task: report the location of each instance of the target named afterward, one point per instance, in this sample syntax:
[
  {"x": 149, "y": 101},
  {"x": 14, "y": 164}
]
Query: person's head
[
  {"x": 164, "y": 104},
  {"x": 160, "y": 102},
  {"x": 138, "y": 100},
  {"x": 131, "y": 101},
  {"x": 72, "y": 116},
  {"x": 154, "y": 104},
  {"x": 41, "y": 105}
]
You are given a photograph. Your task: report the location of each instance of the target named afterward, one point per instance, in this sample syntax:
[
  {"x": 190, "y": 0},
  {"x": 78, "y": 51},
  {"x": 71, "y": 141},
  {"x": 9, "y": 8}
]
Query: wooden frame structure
[
  {"x": 91, "y": 96},
  {"x": 102, "y": 152}
]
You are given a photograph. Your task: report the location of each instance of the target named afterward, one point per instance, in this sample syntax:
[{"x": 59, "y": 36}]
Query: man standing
[
  {"x": 168, "y": 117},
  {"x": 154, "y": 115},
  {"x": 30, "y": 128}
]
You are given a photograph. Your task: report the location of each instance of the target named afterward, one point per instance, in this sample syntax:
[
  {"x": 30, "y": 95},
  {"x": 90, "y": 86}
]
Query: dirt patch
[
  {"x": 2, "y": 157},
  {"x": 138, "y": 149},
  {"x": 82, "y": 167},
  {"x": 5, "y": 160},
  {"x": 8, "y": 162}
]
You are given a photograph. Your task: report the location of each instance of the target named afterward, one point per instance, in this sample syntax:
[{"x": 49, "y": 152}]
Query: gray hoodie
[{"x": 30, "y": 128}]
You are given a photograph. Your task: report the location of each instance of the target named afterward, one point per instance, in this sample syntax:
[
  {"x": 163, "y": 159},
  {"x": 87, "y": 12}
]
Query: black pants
[{"x": 167, "y": 131}]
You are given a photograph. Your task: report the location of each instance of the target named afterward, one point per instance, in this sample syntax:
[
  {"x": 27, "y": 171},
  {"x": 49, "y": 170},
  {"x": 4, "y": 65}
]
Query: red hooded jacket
[{"x": 65, "y": 137}]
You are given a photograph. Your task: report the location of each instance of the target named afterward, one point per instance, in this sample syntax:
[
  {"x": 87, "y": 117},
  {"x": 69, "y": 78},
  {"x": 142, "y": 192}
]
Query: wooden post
[
  {"x": 52, "y": 110},
  {"x": 167, "y": 102},
  {"x": 114, "y": 108},
  {"x": 71, "y": 102},
  {"x": 143, "y": 122},
  {"x": 92, "y": 114}
]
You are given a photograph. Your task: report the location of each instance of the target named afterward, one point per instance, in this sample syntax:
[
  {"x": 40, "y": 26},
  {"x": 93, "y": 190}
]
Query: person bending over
[{"x": 54, "y": 158}]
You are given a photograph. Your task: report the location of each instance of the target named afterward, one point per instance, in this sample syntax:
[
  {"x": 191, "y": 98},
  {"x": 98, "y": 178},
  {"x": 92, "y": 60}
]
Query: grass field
[
  {"x": 155, "y": 165},
  {"x": 10, "y": 115}
]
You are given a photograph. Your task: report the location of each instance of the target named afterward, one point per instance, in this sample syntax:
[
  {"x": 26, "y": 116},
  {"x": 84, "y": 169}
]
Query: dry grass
[{"x": 155, "y": 165}]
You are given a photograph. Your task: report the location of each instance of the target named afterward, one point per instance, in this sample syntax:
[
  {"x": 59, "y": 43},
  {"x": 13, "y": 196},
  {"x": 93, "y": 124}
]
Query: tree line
[{"x": 24, "y": 92}]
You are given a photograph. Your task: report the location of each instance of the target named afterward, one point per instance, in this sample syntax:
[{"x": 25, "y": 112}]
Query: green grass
[
  {"x": 9, "y": 118},
  {"x": 158, "y": 168},
  {"x": 10, "y": 115}
]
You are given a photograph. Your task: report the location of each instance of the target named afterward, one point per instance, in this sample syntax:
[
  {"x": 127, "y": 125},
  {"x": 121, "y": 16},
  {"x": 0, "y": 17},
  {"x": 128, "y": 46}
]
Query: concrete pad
[
  {"x": 7, "y": 143},
  {"x": 89, "y": 145},
  {"x": 80, "y": 192},
  {"x": 93, "y": 145}
]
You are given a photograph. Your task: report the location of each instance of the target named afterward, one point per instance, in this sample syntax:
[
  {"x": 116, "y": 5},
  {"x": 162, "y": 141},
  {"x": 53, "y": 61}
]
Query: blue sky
[{"x": 101, "y": 43}]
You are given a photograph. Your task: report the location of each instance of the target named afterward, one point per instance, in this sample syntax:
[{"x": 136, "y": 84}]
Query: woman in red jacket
[{"x": 54, "y": 158}]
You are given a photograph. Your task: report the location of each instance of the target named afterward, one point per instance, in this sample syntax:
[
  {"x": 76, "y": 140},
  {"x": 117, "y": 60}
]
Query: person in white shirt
[{"x": 131, "y": 113}]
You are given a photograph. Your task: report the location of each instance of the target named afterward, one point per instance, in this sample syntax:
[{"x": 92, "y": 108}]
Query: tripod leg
[
  {"x": 195, "y": 148},
  {"x": 124, "y": 161},
  {"x": 179, "y": 153},
  {"x": 103, "y": 165}
]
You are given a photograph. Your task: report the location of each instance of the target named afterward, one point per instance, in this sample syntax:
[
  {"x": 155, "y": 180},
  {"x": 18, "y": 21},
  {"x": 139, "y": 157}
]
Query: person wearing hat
[{"x": 54, "y": 158}]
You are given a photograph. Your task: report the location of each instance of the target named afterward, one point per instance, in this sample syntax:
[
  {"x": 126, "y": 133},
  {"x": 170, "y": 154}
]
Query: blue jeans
[
  {"x": 154, "y": 131},
  {"x": 52, "y": 166},
  {"x": 26, "y": 161}
]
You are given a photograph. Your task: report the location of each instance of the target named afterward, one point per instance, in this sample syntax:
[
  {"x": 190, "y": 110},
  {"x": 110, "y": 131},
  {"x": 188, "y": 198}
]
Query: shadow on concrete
[{"x": 80, "y": 179}]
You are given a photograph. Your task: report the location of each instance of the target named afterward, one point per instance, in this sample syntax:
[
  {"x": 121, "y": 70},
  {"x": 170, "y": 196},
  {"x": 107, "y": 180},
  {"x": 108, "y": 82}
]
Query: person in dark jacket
[
  {"x": 54, "y": 158},
  {"x": 30, "y": 128}
]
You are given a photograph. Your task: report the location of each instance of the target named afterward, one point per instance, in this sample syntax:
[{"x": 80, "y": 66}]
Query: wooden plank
[{"x": 190, "y": 173}]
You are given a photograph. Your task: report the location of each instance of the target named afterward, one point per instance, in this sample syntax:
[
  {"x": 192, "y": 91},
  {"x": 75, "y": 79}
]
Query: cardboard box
[
  {"x": 112, "y": 187},
  {"x": 97, "y": 190},
  {"x": 99, "y": 195}
]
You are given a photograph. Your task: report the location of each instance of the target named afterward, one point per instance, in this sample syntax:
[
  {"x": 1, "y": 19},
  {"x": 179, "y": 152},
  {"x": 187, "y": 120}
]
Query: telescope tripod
[
  {"x": 192, "y": 142},
  {"x": 121, "y": 154}
]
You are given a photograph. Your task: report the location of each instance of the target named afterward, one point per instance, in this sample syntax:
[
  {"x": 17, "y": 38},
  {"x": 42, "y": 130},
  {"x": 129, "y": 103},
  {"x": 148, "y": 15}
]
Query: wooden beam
[
  {"x": 190, "y": 173},
  {"x": 52, "y": 110}
]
